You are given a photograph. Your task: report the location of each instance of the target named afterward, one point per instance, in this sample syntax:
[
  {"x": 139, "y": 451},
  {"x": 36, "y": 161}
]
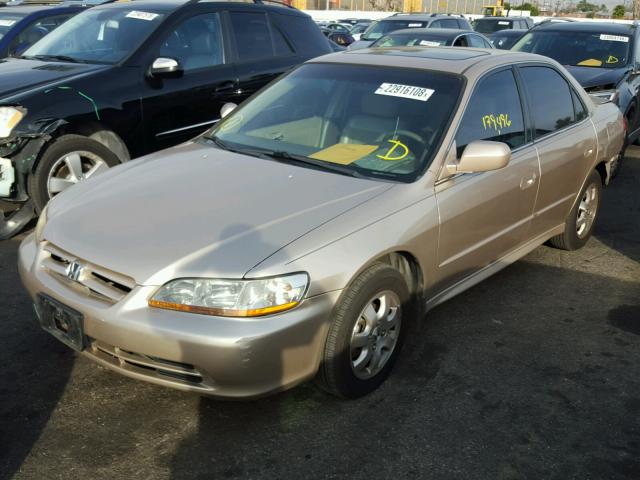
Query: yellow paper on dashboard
[{"x": 344, "y": 153}]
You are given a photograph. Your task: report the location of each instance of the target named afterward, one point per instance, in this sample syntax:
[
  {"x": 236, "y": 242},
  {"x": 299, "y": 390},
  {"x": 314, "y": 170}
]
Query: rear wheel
[
  {"x": 367, "y": 333},
  {"x": 582, "y": 218},
  {"x": 67, "y": 161}
]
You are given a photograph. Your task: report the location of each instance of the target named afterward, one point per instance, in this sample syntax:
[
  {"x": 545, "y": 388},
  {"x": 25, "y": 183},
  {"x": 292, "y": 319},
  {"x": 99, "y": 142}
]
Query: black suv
[
  {"x": 489, "y": 25},
  {"x": 603, "y": 57},
  {"x": 122, "y": 80},
  {"x": 401, "y": 21}
]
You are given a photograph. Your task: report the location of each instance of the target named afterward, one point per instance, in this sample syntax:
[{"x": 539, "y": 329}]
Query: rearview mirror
[
  {"x": 482, "y": 156},
  {"x": 165, "y": 68},
  {"x": 227, "y": 108}
]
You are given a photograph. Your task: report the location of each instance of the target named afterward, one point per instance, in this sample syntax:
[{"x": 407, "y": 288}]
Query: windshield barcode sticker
[
  {"x": 148, "y": 16},
  {"x": 7, "y": 23},
  {"x": 614, "y": 38},
  {"x": 414, "y": 25},
  {"x": 503, "y": 23},
  {"x": 405, "y": 91},
  {"x": 429, "y": 43}
]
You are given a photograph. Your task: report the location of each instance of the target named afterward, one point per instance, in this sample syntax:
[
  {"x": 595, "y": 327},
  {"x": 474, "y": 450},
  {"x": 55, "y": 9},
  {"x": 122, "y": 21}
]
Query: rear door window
[
  {"x": 256, "y": 39},
  {"x": 550, "y": 99},
  {"x": 476, "y": 41},
  {"x": 448, "y": 23},
  {"x": 494, "y": 112}
]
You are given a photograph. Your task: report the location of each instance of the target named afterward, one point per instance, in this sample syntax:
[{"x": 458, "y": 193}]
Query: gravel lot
[{"x": 533, "y": 374}]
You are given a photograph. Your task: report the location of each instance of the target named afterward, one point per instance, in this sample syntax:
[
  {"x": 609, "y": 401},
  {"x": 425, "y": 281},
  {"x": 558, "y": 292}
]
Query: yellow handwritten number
[{"x": 496, "y": 122}]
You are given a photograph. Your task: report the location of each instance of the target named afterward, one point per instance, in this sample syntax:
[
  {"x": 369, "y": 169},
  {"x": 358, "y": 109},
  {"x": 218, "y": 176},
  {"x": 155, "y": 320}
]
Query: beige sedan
[{"x": 304, "y": 234}]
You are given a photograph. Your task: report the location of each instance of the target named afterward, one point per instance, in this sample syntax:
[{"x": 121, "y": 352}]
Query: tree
[
  {"x": 618, "y": 11},
  {"x": 531, "y": 8}
]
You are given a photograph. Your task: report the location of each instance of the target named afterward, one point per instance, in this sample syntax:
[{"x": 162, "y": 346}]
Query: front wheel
[
  {"x": 367, "y": 333},
  {"x": 67, "y": 161},
  {"x": 582, "y": 218}
]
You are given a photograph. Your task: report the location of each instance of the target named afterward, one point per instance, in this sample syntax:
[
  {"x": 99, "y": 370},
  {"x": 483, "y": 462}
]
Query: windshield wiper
[{"x": 60, "y": 58}]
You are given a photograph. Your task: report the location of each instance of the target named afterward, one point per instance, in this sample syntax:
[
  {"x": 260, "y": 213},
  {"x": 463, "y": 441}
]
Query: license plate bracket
[{"x": 61, "y": 321}]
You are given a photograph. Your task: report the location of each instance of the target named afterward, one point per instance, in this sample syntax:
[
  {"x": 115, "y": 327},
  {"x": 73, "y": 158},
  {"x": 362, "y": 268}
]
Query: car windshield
[
  {"x": 378, "y": 29},
  {"x": 410, "y": 40},
  {"x": 581, "y": 49},
  {"x": 356, "y": 120},
  {"x": 7, "y": 21},
  {"x": 98, "y": 36},
  {"x": 358, "y": 28},
  {"x": 490, "y": 26}
]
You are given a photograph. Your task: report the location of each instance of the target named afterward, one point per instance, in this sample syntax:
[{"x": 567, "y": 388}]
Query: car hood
[
  {"x": 18, "y": 76},
  {"x": 197, "y": 211},
  {"x": 590, "y": 77}
]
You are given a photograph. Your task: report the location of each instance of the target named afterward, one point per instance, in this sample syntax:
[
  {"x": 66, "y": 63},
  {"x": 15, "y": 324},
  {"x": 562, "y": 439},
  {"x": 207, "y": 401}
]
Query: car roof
[
  {"x": 171, "y": 5},
  {"x": 498, "y": 19},
  {"x": 28, "y": 10},
  {"x": 433, "y": 32},
  {"x": 507, "y": 33},
  {"x": 596, "y": 27},
  {"x": 420, "y": 16},
  {"x": 454, "y": 60}
]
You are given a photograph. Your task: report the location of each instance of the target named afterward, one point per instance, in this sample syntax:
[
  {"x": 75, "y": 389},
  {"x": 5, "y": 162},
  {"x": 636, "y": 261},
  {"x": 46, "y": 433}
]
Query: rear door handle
[{"x": 528, "y": 182}]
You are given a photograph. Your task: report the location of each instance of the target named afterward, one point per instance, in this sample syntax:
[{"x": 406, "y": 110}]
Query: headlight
[
  {"x": 608, "y": 95},
  {"x": 42, "y": 221},
  {"x": 9, "y": 118},
  {"x": 232, "y": 298}
]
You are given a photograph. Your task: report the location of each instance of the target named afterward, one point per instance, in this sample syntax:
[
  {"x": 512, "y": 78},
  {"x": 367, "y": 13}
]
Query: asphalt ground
[{"x": 533, "y": 374}]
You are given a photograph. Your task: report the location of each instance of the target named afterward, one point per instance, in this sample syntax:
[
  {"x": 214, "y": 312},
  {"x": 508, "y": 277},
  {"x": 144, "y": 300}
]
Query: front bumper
[{"x": 224, "y": 357}]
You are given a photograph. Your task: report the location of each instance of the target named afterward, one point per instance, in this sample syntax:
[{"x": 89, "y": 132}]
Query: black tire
[
  {"x": 336, "y": 374},
  {"x": 64, "y": 145},
  {"x": 570, "y": 239}
]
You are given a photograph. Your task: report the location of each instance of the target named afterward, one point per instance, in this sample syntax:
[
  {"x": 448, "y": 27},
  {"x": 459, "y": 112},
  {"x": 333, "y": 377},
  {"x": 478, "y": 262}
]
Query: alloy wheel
[{"x": 72, "y": 168}]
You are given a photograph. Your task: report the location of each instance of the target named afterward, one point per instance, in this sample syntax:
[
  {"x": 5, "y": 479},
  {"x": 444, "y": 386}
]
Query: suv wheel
[
  {"x": 368, "y": 329},
  {"x": 67, "y": 161}
]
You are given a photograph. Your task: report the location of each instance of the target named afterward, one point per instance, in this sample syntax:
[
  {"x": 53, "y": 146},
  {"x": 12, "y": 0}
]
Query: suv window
[
  {"x": 448, "y": 23},
  {"x": 494, "y": 112},
  {"x": 196, "y": 42},
  {"x": 551, "y": 103},
  {"x": 36, "y": 31},
  {"x": 253, "y": 39}
]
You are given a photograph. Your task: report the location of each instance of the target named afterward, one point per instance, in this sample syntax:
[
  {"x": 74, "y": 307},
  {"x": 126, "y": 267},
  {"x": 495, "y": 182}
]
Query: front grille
[
  {"x": 182, "y": 373},
  {"x": 84, "y": 276}
]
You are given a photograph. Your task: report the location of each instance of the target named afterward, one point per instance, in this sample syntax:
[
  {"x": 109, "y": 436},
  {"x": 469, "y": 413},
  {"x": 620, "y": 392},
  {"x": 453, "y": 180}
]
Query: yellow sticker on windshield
[
  {"x": 612, "y": 59},
  {"x": 344, "y": 153},
  {"x": 591, "y": 62},
  {"x": 392, "y": 155}
]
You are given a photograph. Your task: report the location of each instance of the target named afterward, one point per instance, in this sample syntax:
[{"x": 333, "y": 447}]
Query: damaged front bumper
[{"x": 18, "y": 155}]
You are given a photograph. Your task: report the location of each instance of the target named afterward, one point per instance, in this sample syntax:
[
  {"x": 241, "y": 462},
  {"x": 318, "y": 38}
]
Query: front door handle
[
  {"x": 588, "y": 152},
  {"x": 528, "y": 182}
]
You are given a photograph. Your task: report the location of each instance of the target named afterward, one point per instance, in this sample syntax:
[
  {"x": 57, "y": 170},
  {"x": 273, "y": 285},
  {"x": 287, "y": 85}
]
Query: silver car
[{"x": 305, "y": 234}]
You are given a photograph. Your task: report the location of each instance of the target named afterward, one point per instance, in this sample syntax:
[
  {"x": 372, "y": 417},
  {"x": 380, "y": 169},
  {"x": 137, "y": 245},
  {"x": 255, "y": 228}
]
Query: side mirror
[
  {"x": 227, "y": 108},
  {"x": 165, "y": 68},
  {"x": 482, "y": 156}
]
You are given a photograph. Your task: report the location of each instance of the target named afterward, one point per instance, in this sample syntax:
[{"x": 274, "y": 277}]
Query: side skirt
[{"x": 492, "y": 268}]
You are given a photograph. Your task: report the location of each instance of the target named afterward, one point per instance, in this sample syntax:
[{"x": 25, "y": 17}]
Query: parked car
[
  {"x": 355, "y": 21},
  {"x": 603, "y": 57},
  {"x": 358, "y": 29},
  {"x": 488, "y": 25},
  {"x": 403, "y": 21},
  {"x": 339, "y": 38},
  {"x": 433, "y": 37},
  {"x": 505, "y": 39},
  {"x": 318, "y": 221},
  {"x": 21, "y": 27},
  {"x": 338, "y": 27},
  {"x": 122, "y": 80}
]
